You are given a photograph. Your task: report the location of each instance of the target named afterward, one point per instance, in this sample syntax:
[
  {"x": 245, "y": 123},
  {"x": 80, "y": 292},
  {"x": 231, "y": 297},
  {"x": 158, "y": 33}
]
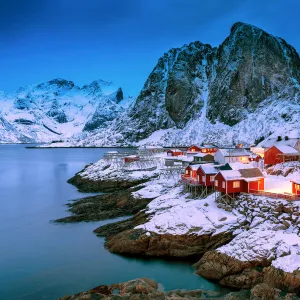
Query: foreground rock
[
  {"x": 102, "y": 207},
  {"x": 147, "y": 289}
]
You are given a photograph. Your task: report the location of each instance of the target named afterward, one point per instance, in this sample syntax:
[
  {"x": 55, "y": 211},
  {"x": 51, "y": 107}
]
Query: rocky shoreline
[
  {"x": 225, "y": 241},
  {"x": 147, "y": 289}
]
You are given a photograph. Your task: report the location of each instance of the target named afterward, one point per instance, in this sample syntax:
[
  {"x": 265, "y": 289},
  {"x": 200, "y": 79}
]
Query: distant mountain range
[
  {"x": 243, "y": 91},
  {"x": 58, "y": 109}
]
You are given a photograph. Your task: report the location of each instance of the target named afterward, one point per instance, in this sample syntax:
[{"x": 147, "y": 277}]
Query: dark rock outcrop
[
  {"x": 102, "y": 207},
  {"x": 106, "y": 186}
]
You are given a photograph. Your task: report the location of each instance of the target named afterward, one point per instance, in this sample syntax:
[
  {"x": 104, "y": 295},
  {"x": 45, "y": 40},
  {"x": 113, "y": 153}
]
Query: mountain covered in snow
[
  {"x": 58, "y": 109},
  {"x": 245, "y": 90}
]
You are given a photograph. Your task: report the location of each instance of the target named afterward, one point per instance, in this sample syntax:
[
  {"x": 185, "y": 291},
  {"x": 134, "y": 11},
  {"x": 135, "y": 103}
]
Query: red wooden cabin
[
  {"x": 296, "y": 187},
  {"x": 203, "y": 149},
  {"x": 131, "y": 158},
  {"x": 274, "y": 155},
  {"x": 174, "y": 152},
  {"x": 237, "y": 181},
  {"x": 206, "y": 174}
]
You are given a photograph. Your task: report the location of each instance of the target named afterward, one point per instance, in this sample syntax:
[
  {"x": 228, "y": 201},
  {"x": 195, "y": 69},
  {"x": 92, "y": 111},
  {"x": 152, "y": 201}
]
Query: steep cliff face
[
  {"x": 252, "y": 66},
  {"x": 175, "y": 91},
  {"x": 245, "y": 90}
]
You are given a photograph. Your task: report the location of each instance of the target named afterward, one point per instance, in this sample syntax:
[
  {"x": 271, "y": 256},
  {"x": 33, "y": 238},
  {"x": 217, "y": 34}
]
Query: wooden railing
[{"x": 286, "y": 196}]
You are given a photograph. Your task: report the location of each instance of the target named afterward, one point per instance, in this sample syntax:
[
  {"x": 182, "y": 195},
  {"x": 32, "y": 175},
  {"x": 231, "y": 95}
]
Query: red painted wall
[
  {"x": 203, "y": 150},
  {"x": 270, "y": 156},
  {"x": 294, "y": 191},
  {"x": 207, "y": 182},
  {"x": 173, "y": 153},
  {"x": 191, "y": 172}
]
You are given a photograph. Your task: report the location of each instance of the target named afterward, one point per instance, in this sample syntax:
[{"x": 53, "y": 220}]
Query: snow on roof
[
  {"x": 286, "y": 149},
  {"x": 252, "y": 174},
  {"x": 112, "y": 152},
  {"x": 203, "y": 146},
  {"x": 175, "y": 150},
  {"x": 234, "y": 152},
  {"x": 273, "y": 142},
  {"x": 231, "y": 174},
  {"x": 239, "y": 166},
  {"x": 199, "y": 154},
  {"x": 296, "y": 180},
  {"x": 195, "y": 167},
  {"x": 209, "y": 169},
  {"x": 131, "y": 156}
]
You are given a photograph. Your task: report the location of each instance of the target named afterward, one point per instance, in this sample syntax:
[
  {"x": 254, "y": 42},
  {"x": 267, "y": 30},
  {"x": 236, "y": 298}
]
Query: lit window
[
  {"x": 212, "y": 178},
  {"x": 204, "y": 150},
  {"x": 186, "y": 172},
  {"x": 223, "y": 184},
  {"x": 236, "y": 184},
  {"x": 198, "y": 177},
  {"x": 297, "y": 186},
  {"x": 216, "y": 183},
  {"x": 203, "y": 178}
]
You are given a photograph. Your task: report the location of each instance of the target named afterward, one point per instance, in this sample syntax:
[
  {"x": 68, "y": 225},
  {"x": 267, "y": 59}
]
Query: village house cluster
[{"x": 231, "y": 171}]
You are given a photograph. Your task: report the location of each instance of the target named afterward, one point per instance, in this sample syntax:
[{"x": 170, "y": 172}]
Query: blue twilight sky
[{"x": 120, "y": 40}]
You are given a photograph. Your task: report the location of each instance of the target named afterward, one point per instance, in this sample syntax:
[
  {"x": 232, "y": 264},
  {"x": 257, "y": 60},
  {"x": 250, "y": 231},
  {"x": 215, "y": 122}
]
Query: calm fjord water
[{"x": 43, "y": 260}]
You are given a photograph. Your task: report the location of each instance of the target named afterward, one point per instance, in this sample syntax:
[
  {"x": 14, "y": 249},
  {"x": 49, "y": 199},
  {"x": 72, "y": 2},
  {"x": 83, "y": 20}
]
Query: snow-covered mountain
[
  {"x": 245, "y": 90},
  {"x": 58, "y": 109}
]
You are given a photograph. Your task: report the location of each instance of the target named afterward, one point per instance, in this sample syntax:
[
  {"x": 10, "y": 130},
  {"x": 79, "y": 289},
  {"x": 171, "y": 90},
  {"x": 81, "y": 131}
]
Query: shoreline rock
[
  {"x": 102, "y": 207},
  {"x": 87, "y": 185},
  {"x": 148, "y": 289}
]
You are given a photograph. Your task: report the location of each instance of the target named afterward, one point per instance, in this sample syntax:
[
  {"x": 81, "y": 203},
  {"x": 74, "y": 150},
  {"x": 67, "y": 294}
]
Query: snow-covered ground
[{"x": 263, "y": 228}]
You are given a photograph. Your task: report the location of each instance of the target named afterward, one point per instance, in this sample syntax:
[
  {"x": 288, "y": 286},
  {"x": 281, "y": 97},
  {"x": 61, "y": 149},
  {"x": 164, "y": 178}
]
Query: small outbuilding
[
  {"x": 131, "y": 158},
  {"x": 174, "y": 152}
]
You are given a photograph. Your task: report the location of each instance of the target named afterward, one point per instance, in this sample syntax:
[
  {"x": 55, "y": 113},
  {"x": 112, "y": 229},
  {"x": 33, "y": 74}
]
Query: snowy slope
[
  {"x": 246, "y": 90},
  {"x": 58, "y": 109}
]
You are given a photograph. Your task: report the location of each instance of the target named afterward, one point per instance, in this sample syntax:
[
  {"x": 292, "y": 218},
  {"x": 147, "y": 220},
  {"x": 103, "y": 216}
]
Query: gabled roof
[
  {"x": 273, "y": 142},
  {"x": 252, "y": 174},
  {"x": 199, "y": 154},
  {"x": 209, "y": 169},
  {"x": 195, "y": 167},
  {"x": 234, "y": 152},
  {"x": 231, "y": 174},
  {"x": 175, "y": 150},
  {"x": 296, "y": 180},
  {"x": 286, "y": 149}
]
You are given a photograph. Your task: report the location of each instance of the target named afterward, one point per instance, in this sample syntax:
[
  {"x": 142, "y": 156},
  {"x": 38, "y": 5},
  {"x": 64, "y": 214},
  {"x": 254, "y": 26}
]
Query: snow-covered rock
[{"x": 58, "y": 109}]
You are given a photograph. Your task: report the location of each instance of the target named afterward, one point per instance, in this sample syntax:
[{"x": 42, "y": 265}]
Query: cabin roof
[
  {"x": 131, "y": 156},
  {"x": 175, "y": 150},
  {"x": 239, "y": 166},
  {"x": 273, "y": 142},
  {"x": 252, "y": 174},
  {"x": 231, "y": 174},
  {"x": 209, "y": 169},
  {"x": 235, "y": 152},
  {"x": 296, "y": 180},
  {"x": 195, "y": 167},
  {"x": 286, "y": 149},
  {"x": 199, "y": 154}
]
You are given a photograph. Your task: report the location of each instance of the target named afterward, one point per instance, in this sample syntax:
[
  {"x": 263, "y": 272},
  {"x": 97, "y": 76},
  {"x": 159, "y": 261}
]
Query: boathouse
[
  {"x": 174, "y": 152},
  {"x": 206, "y": 174},
  {"x": 278, "y": 154}
]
